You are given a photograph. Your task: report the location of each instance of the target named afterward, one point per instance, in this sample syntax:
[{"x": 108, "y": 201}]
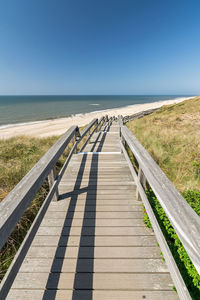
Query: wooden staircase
[{"x": 92, "y": 243}]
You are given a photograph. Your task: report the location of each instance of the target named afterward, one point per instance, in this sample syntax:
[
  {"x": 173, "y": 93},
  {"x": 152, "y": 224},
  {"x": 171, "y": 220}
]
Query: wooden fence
[
  {"x": 183, "y": 218},
  {"x": 15, "y": 204}
]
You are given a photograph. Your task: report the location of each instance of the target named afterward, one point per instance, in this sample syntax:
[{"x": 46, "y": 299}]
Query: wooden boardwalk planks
[{"x": 92, "y": 243}]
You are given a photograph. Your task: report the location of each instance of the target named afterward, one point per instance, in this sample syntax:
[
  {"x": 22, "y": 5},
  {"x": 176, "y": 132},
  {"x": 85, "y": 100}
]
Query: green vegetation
[
  {"x": 187, "y": 269},
  {"x": 172, "y": 136},
  {"x": 17, "y": 156}
]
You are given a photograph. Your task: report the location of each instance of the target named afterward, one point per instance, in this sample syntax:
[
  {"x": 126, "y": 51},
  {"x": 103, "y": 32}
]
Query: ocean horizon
[{"x": 23, "y": 109}]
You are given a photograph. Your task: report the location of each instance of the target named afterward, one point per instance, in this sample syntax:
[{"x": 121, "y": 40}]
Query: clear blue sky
[{"x": 99, "y": 47}]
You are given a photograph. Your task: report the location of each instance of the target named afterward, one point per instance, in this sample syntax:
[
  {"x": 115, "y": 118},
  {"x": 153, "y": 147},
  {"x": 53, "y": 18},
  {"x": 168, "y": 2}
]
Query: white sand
[{"x": 59, "y": 126}]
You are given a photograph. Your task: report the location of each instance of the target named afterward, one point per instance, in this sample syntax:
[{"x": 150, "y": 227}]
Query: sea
[{"x": 23, "y": 109}]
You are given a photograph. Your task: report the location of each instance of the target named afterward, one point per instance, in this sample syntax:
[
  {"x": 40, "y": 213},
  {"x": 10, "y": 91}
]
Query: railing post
[
  {"x": 144, "y": 181},
  {"x": 76, "y": 136},
  {"x": 51, "y": 179},
  {"x": 96, "y": 130},
  {"x": 139, "y": 178}
]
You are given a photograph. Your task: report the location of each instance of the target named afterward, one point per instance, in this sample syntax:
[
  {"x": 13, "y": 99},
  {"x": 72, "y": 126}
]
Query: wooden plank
[
  {"x": 51, "y": 180},
  {"x": 90, "y": 215},
  {"x": 87, "y": 128},
  {"x": 117, "y": 255},
  {"x": 97, "y": 241},
  {"x": 18, "y": 259},
  {"x": 176, "y": 276},
  {"x": 97, "y": 186},
  {"x": 100, "y": 162},
  {"x": 100, "y": 157},
  {"x": 14, "y": 205},
  {"x": 44, "y": 265},
  {"x": 100, "y": 208},
  {"x": 116, "y": 178},
  {"x": 98, "y": 191},
  {"x": 63, "y": 205},
  {"x": 95, "y": 197},
  {"x": 174, "y": 205},
  {"x": 90, "y": 222},
  {"x": 109, "y": 281},
  {"x": 96, "y": 295},
  {"x": 97, "y": 183},
  {"x": 98, "y": 231},
  {"x": 148, "y": 252}
]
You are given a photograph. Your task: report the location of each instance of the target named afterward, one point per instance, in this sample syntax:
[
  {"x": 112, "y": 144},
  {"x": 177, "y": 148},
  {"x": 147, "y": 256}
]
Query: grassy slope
[
  {"x": 172, "y": 137},
  {"x": 17, "y": 156}
]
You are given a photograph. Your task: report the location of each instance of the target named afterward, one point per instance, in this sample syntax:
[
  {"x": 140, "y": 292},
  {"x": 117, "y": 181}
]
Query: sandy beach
[{"x": 59, "y": 126}]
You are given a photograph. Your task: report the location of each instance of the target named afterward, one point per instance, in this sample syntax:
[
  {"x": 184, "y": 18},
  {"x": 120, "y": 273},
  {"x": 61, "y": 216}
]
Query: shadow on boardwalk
[{"x": 83, "y": 278}]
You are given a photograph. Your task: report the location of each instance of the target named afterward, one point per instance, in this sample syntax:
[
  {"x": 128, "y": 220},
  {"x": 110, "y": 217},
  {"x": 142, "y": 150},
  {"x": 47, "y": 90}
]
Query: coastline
[{"x": 58, "y": 126}]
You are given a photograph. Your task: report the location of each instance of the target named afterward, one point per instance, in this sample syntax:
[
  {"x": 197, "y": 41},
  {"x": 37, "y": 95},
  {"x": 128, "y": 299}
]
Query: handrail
[
  {"x": 97, "y": 125},
  {"x": 182, "y": 217},
  {"x": 174, "y": 271},
  {"x": 87, "y": 128},
  {"x": 139, "y": 115},
  {"x": 15, "y": 204}
]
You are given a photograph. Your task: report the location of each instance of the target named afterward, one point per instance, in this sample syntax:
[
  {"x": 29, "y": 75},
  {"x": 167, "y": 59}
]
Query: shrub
[{"x": 187, "y": 269}]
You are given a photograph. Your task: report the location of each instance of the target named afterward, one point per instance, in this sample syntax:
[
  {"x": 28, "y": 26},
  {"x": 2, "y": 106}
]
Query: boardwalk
[{"x": 92, "y": 243}]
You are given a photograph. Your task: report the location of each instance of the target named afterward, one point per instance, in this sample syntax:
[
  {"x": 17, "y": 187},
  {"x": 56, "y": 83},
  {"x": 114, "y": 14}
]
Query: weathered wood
[
  {"x": 93, "y": 233},
  {"x": 108, "y": 281},
  {"x": 14, "y": 205},
  {"x": 100, "y": 208},
  {"x": 176, "y": 276},
  {"x": 98, "y": 215},
  {"x": 174, "y": 205},
  {"x": 24, "y": 193},
  {"x": 139, "y": 252},
  {"x": 110, "y": 241},
  {"x": 113, "y": 265},
  {"x": 138, "y": 115},
  {"x": 90, "y": 222},
  {"x": 139, "y": 179},
  {"x": 51, "y": 179},
  {"x": 8, "y": 279},
  {"x": 96, "y": 295},
  {"x": 99, "y": 231},
  {"x": 87, "y": 128}
]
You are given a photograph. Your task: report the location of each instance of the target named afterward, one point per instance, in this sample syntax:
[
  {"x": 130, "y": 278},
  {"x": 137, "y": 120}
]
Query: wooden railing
[
  {"x": 15, "y": 204},
  {"x": 139, "y": 115},
  {"x": 182, "y": 217}
]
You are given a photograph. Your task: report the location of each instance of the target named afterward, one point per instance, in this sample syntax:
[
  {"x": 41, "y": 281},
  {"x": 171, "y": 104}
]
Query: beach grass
[
  {"x": 172, "y": 137},
  {"x": 17, "y": 157}
]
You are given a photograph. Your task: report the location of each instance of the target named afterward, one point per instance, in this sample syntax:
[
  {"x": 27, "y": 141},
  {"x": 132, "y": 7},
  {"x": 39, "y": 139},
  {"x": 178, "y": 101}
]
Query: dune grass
[
  {"x": 172, "y": 137},
  {"x": 17, "y": 156}
]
